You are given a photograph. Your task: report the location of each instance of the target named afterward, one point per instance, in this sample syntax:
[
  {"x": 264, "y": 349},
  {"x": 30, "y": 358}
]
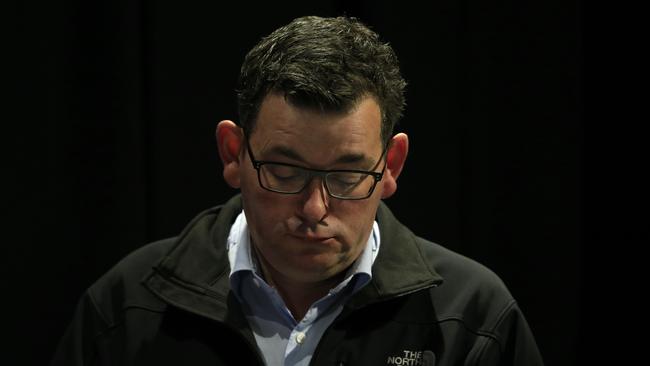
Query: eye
[
  {"x": 283, "y": 172},
  {"x": 344, "y": 180}
]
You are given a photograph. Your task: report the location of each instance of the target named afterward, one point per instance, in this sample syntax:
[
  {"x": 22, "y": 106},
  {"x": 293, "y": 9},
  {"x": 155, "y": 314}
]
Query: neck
[{"x": 297, "y": 296}]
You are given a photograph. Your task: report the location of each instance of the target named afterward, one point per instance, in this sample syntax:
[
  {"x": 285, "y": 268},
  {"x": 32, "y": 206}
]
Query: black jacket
[{"x": 169, "y": 303}]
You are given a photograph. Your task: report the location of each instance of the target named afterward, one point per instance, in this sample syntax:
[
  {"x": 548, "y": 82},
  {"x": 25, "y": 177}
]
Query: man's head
[
  {"x": 328, "y": 64},
  {"x": 316, "y": 96}
]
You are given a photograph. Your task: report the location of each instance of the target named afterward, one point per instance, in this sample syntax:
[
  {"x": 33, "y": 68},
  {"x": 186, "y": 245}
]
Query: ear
[
  {"x": 229, "y": 141},
  {"x": 395, "y": 158}
]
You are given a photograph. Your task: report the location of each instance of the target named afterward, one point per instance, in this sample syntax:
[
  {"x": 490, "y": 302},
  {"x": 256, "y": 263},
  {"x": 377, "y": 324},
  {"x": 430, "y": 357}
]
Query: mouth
[{"x": 312, "y": 238}]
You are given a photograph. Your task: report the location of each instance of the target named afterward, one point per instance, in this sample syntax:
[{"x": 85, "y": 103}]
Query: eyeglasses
[{"x": 292, "y": 179}]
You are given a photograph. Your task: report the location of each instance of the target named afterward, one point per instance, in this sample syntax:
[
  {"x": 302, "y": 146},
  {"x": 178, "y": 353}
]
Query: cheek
[
  {"x": 265, "y": 211},
  {"x": 357, "y": 219},
  {"x": 255, "y": 198}
]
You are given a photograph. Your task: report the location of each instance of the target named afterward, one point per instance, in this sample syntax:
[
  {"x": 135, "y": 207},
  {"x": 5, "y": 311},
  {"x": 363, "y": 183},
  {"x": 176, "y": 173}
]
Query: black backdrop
[{"x": 118, "y": 102}]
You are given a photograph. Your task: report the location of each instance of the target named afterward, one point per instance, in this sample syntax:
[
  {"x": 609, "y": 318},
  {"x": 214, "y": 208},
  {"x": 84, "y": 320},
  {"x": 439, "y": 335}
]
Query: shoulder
[
  {"x": 416, "y": 260},
  {"x": 470, "y": 292},
  {"x": 121, "y": 288},
  {"x": 473, "y": 299},
  {"x": 459, "y": 271}
]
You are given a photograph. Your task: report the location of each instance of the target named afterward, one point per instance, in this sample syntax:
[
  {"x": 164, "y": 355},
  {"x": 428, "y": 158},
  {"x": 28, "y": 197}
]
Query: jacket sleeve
[
  {"x": 514, "y": 343},
  {"x": 77, "y": 346}
]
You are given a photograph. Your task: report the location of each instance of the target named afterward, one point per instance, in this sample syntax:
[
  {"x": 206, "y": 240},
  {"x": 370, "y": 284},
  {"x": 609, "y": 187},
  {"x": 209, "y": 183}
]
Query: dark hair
[{"x": 324, "y": 63}]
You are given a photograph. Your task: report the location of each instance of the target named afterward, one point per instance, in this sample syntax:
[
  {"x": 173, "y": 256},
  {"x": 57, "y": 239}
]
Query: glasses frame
[{"x": 322, "y": 173}]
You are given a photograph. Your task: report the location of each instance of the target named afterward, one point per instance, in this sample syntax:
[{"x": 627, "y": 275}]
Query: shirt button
[{"x": 300, "y": 337}]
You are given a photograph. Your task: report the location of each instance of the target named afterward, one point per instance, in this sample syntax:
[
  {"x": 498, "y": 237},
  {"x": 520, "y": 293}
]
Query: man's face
[{"x": 310, "y": 236}]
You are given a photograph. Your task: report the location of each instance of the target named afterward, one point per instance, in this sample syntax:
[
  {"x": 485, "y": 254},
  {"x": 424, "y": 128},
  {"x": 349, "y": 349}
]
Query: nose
[{"x": 314, "y": 207}]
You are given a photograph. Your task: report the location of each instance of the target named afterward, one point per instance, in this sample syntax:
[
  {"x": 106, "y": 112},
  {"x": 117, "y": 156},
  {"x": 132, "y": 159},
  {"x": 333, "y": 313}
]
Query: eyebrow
[{"x": 343, "y": 159}]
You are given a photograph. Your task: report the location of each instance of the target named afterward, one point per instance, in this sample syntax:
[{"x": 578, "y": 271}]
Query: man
[{"x": 306, "y": 266}]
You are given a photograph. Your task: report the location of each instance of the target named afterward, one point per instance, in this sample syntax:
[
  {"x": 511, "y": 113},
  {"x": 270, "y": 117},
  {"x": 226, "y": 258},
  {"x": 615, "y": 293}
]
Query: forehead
[{"x": 279, "y": 121}]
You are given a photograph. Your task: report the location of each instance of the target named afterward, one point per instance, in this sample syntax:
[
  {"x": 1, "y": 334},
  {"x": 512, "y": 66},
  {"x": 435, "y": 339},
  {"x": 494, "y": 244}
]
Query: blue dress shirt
[{"x": 282, "y": 339}]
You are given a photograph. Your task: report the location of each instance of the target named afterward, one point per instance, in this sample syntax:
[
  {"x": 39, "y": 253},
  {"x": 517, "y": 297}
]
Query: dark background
[{"x": 114, "y": 143}]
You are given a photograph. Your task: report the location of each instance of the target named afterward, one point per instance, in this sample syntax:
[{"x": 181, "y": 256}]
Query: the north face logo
[{"x": 413, "y": 358}]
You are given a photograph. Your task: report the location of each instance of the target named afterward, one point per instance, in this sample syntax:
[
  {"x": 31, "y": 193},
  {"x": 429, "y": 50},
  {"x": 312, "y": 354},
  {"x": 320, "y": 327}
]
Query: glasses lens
[
  {"x": 282, "y": 178},
  {"x": 290, "y": 179},
  {"x": 349, "y": 184}
]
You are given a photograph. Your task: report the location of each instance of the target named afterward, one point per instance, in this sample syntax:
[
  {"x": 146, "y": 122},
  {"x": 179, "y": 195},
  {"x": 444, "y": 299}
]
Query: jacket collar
[
  {"x": 403, "y": 265},
  {"x": 194, "y": 273}
]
